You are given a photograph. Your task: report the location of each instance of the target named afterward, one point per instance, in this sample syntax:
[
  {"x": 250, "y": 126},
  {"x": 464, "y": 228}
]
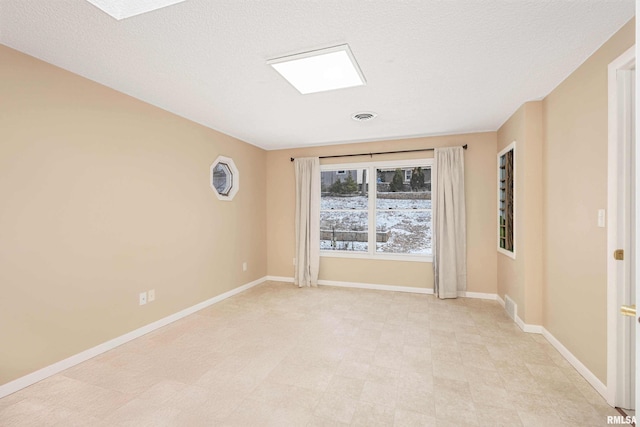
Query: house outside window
[{"x": 388, "y": 220}]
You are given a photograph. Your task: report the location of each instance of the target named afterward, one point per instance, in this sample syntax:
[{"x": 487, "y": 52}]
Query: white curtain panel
[
  {"x": 307, "y": 221},
  {"x": 449, "y": 224}
]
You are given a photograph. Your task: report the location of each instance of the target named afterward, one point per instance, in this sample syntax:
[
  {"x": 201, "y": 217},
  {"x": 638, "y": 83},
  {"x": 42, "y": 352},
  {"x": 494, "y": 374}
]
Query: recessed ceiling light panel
[
  {"x": 121, "y": 9},
  {"x": 320, "y": 70}
]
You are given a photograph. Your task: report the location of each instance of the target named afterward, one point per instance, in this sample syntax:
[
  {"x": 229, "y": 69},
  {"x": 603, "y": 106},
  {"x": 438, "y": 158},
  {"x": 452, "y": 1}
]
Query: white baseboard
[
  {"x": 582, "y": 370},
  {"x": 76, "y": 359},
  {"x": 358, "y": 285},
  {"x": 375, "y": 287},
  {"x": 279, "y": 279},
  {"x": 39, "y": 375},
  {"x": 378, "y": 287},
  {"x": 478, "y": 295},
  {"x": 532, "y": 329}
]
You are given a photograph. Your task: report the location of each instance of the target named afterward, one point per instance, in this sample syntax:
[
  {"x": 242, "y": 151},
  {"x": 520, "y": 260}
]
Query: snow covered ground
[
  {"x": 407, "y": 222},
  {"x": 361, "y": 202}
]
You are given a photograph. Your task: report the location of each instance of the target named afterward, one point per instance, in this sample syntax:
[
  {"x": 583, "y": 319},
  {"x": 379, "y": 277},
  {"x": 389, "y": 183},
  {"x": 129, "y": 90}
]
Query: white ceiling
[{"x": 432, "y": 67}]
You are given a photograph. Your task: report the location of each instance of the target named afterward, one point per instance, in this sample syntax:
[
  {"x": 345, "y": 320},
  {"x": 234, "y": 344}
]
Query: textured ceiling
[{"x": 432, "y": 67}]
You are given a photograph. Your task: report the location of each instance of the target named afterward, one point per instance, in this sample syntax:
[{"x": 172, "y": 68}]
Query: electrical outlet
[
  {"x": 151, "y": 295},
  {"x": 143, "y": 298},
  {"x": 244, "y": 266}
]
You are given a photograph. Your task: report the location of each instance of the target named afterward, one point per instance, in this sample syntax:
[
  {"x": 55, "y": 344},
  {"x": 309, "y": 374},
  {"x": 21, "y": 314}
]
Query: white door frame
[{"x": 623, "y": 62}]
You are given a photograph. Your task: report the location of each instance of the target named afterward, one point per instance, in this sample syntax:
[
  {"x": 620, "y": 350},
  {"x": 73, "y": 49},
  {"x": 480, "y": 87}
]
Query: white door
[
  {"x": 636, "y": 233},
  {"x": 630, "y": 284},
  {"x": 636, "y": 281},
  {"x": 627, "y": 240},
  {"x": 622, "y": 253}
]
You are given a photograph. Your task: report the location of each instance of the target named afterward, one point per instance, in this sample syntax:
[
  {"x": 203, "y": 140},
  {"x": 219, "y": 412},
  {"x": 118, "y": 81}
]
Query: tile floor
[{"x": 282, "y": 356}]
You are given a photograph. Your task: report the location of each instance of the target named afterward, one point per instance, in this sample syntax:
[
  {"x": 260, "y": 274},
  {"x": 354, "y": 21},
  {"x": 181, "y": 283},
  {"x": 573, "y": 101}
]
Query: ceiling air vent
[{"x": 364, "y": 116}]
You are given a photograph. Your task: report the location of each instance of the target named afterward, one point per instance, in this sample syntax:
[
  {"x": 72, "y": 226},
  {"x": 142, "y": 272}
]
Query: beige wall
[
  {"x": 575, "y": 176},
  {"x": 481, "y": 196},
  {"x": 521, "y": 278},
  {"x": 103, "y": 196},
  {"x": 533, "y": 213},
  {"x": 510, "y": 271}
]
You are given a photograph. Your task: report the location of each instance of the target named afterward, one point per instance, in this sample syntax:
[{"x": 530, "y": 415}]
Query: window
[
  {"x": 224, "y": 178},
  {"x": 344, "y": 210},
  {"x": 506, "y": 200},
  {"x": 391, "y": 219}
]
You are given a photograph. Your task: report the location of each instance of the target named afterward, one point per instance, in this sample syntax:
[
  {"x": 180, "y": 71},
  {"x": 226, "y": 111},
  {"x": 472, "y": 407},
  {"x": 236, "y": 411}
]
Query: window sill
[
  {"x": 507, "y": 253},
  {"x": 377, "y": 257}
]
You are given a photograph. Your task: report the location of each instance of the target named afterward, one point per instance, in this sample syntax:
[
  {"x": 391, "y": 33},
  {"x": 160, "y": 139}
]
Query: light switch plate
[{"x": 601, "y": 218}]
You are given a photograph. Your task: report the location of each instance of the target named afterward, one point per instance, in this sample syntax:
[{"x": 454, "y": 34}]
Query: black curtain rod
[{"x": 382, "y": 152}]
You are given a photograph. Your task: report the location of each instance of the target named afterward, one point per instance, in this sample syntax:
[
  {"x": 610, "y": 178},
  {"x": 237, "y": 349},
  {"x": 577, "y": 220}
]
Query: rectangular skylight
[
  {"x": 320, "y": 70},
  {"x": 121, "y": 9}
]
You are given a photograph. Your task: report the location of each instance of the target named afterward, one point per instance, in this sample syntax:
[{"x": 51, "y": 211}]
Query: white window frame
[
  {"x": 235, "y": 178},
  {"x": 372, "y": 177},
  {"x": 508, "y": 148}
]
